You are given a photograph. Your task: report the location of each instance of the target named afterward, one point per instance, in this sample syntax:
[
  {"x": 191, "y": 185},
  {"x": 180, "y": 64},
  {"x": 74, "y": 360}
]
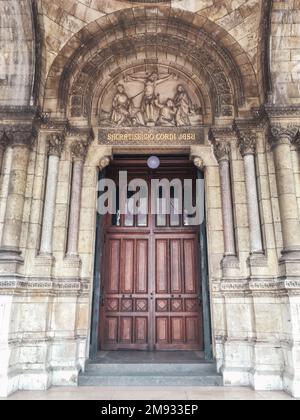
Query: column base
[
  {"x": 230, "y": 266},
  {"x": 10, "y": 260},
  {"x": 289, "y": 263},
  {"x": 73, "y": 264},
  {"x": 257, "y": 259}
]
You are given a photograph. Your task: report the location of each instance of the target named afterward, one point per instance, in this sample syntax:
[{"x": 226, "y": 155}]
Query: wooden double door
[{"x": 151, "y": 295}]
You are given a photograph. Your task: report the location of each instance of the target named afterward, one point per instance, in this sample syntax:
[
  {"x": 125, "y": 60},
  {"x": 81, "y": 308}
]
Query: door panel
[
  {"x": 125, "y": 307},
  {"x": 151, "y": 280},
  {"x": 180, "y": 301}
]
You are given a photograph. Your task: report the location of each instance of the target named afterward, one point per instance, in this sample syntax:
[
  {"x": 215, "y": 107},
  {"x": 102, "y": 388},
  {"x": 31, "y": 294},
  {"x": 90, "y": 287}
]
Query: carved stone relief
[{"x": 150, "y": 100}]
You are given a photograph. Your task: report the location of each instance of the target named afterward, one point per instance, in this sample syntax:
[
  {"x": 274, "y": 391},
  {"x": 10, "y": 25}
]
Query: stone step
[
  {"x": 165, "y": 369},
  {"x": 150, "y": 374},
  {"x": 137, "y": 380}
]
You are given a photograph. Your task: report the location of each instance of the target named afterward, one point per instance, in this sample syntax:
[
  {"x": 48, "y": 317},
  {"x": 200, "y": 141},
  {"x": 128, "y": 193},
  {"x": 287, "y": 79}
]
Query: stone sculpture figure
[
  {"x": 120, "y": 114},
  {"x": 148, "y": 106},
  {"x": 183, "y": 104},
  {"x": 167, "y": 114}
]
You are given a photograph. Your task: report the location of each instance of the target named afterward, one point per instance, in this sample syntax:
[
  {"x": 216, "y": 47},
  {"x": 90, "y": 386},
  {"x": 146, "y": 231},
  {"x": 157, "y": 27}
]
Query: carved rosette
[
  {"x": 283, "y": 135},
  {"x": 56, "y": 142},
  {"x": 247, "y": 142},
  {"x": 104, "y": 162}
]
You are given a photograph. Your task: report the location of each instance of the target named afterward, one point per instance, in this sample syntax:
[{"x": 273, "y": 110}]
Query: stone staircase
[{"x": 150, "y": 374}]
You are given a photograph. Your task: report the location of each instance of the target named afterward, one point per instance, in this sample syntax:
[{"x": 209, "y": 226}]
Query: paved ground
[{"x": 150, "y": 393}]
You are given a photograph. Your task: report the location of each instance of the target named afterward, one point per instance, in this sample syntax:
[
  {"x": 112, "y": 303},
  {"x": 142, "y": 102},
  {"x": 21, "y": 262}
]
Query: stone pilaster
[
  {"x": 247, "y": 143},
  {"x": 20, "y": 138},
  {"x": 55, "y": 147},
  {"x": 222, "y": 153},
  {"x": 280, "y": 139}
]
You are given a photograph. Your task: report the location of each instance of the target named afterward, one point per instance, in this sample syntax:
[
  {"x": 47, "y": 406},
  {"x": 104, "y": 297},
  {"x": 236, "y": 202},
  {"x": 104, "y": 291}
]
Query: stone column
[
  {"x": 55, "y": 148},
  {"x": 78, "y": 151},
  {"x": 280, "y": 140},
  {"x": 247, "y": 144},
  {"x": 21, "y": 140},
  {"x": 222, "y": 153}
]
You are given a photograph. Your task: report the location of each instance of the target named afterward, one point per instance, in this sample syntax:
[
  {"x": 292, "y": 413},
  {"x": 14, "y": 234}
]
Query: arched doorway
[{"x": 153, "y": 270}]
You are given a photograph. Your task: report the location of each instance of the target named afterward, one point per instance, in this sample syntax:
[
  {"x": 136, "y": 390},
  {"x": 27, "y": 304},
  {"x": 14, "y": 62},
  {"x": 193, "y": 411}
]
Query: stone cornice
[
  {"x": 283, "y": 111},
  {"x": 17, "y": 113},
  {"x": 222, "y": 133}
]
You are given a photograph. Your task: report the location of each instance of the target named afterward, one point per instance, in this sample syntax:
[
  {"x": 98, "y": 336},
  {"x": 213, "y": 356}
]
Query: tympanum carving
[{"x": 150, "y": 100}]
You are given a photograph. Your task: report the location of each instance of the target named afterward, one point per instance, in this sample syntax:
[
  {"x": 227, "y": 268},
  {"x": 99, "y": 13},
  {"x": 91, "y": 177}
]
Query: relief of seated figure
[{"x": 167, "y": 113}]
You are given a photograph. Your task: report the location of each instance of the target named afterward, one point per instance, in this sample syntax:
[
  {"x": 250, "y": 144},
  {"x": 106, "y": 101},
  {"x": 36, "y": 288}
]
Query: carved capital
[
  {"x": 79, "y": 150},
  {"x": 247, "y": 142},
  {"x": 219, "y": 138},
  {"x": 296, "y": 141},
  {"x": 222, "y": 150},
  {"x": 19, "y": 135},
  {"x": 56, "y": 142},
  {"x": 282, "y": 135},
  {"x": 104, "y": 162}
]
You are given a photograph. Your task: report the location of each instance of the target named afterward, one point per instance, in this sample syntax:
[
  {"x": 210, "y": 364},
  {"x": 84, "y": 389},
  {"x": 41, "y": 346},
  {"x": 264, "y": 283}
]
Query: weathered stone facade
[{"x": 242, "y": 60}]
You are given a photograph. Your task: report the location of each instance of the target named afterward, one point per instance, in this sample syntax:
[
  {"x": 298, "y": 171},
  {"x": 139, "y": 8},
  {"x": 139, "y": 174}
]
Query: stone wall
[
  {"x": 285, "y": 52},
  {"x": 17, "y": 57}
]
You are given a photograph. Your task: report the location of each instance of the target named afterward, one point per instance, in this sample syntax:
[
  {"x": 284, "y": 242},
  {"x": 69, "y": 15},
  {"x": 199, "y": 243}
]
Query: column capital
[
  {"x": 247, "y": 142},
  {"x": 19, "y": 135},
  {"x": 80, "y": 146},
  {"x": 222, "y": 150},
  {"x": 79, "y": 150},
  {"x": 56, "y": 142},
  {"x": 220, "y": 139},
  {"x": 280, "y": 134}
]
